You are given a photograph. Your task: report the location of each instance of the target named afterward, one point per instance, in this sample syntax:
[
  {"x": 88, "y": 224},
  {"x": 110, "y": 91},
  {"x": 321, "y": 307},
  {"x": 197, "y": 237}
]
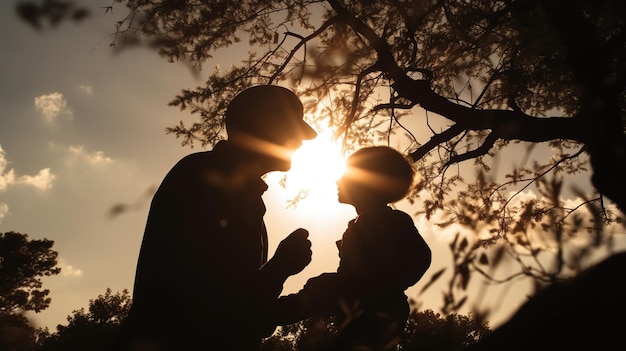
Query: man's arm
[{"x": 291, "y": 256}]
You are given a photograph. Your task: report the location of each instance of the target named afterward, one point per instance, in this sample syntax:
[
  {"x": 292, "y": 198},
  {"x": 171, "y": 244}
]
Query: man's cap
[{"x": 268, "y": 111}]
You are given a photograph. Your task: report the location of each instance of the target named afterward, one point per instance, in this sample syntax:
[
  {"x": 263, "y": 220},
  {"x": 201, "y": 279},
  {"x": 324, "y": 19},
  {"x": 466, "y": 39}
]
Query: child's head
[{"x": 377, "y": 173}]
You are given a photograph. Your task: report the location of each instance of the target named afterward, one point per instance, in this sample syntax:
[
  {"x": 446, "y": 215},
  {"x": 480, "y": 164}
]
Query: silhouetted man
[{"x": 203, "y": 281}]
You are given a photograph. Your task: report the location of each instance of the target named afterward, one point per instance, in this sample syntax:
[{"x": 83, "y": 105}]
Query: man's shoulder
[
  {"x": 204, "y": 158},
  {"x": 192, "y": 162},
  {"x": 191, "y": 166},
  {"x": 199, "y": 155}
]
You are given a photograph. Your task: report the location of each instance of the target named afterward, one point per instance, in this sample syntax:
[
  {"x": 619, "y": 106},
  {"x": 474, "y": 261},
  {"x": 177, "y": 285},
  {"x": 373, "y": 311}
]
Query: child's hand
[
  {"x": 321, "y": 294},
  {"x": 321, "y": 285}
]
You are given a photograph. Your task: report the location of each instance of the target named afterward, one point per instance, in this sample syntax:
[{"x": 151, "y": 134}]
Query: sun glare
[
  {"x": 318, "y": 162},
  {"x": 315, "y": 169}
]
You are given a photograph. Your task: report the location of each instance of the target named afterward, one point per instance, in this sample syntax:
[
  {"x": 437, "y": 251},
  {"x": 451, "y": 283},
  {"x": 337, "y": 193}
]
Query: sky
[{"x": 82, "y": 130}]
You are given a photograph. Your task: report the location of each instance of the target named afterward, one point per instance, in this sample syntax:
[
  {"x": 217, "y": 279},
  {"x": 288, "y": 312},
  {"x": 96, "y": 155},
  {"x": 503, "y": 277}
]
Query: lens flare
[{"x": 316, "y": 166}]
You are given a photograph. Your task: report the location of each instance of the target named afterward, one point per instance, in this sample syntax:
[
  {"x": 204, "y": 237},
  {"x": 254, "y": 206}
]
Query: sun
[
  {"x": 318, "y": 162},
  {"x": 316, "y": 166}
]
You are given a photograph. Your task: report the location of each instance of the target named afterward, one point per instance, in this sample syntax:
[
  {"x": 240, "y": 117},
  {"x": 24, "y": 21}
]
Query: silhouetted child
[{"x": 381, "y": 255}]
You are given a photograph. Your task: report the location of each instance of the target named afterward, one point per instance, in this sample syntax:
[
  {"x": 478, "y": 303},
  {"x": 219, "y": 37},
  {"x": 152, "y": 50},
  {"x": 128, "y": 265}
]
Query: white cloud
[
  {"x": 94, "y": 158},
  {"x": 42, "y": 180},
  {"x": 53, "y": 106},
  {"x": 88, "y": 89},
  {"x": 68, "y": 270},
  {"x": 6, "y": 178},
  {"x": 4, "y": 209}
]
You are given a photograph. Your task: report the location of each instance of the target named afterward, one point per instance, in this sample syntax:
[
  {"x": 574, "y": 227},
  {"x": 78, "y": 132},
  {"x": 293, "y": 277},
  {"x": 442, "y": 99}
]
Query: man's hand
[{"x": 294, "y": 252}]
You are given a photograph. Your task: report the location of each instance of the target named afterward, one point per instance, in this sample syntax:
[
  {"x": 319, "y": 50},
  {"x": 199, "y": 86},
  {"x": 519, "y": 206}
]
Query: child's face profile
[
  {"x": 357, "y": 186},
  {"x": 347, "y": 187}
]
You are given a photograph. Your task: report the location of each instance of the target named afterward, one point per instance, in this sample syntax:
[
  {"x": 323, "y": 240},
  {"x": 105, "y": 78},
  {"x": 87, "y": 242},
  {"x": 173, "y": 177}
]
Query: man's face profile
[{"x": 268, "y": 120}]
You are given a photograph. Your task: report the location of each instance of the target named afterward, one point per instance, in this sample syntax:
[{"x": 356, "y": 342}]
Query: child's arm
[{"x": 318, "y": 298}]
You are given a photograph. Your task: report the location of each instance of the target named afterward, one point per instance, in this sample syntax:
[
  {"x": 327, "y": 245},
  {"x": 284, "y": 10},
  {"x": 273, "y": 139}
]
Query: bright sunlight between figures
[
  {"x": 317, "y": 164},
  {"x": 315, "y": 169}
]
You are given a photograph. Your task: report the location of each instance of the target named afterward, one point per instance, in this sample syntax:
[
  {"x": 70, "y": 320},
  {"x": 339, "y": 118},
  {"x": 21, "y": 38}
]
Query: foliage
[
  {"x": 576, "y": 314},
  {"x": 94, "y": 329},
  {"x": 50, "y": 12},
  {"x": 425, "y": 330},
  {"x": 16, "y": 333},
  {"x": 23, "y": 263},
  {"x": 307, "y": 335}
]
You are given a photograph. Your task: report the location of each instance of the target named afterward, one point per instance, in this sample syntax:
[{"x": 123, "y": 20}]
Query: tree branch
[
  {"x": 437, "y": 139},
  {"x": 303, "y": 41},
  {"x": 504, "y": 124},
  {"x": 481, "y": 150}
]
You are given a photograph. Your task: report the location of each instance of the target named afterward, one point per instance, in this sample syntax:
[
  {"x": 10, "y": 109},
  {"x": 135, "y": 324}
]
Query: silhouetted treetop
[{"x": 23, "y": 263}]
